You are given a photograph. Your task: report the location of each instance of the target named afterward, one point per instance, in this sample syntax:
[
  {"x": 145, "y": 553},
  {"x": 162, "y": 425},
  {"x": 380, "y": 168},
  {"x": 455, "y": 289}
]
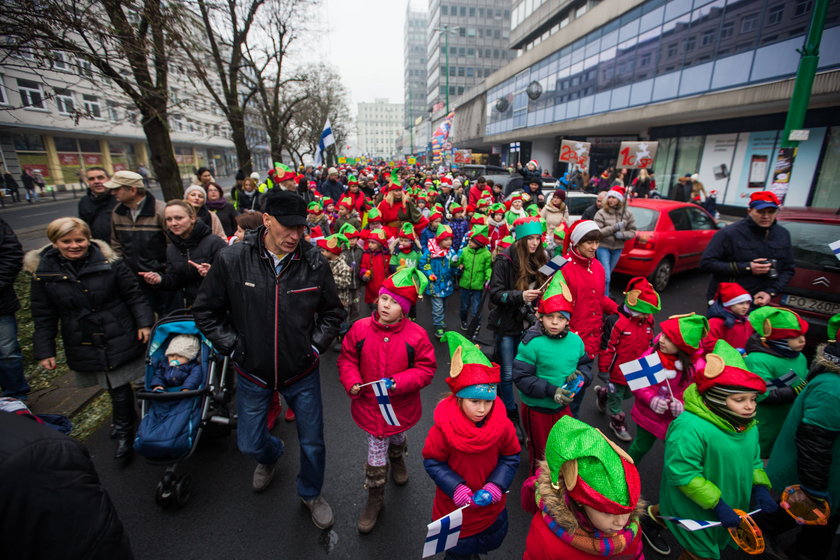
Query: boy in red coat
[
  {"x": 374, "y": 265},
  {"x": 728, "y": 317},
  {"x": 390, "y": 347},
  {"x": 584, "y": 497},
  {"x": 630, "y": 337},
  {"x": 471, "y": 451}
]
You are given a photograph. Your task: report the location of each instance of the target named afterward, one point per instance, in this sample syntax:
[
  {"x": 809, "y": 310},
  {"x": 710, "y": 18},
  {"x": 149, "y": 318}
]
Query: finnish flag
[
  {"x": 443, "y": 533},
  {"x": 553, "y": 265},
  {"x": 835, "y": 248},
  {"x": 384, "y": 401},
  {"x": 644, "y": 372},
  {"x": 327, "y": 139}
]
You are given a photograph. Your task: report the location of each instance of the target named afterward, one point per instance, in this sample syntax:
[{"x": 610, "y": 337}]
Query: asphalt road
[{"x": 226, "y": 519}]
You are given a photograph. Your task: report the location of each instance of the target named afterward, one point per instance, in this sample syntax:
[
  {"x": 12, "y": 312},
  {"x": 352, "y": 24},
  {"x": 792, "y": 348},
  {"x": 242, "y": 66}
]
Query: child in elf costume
[
  {"x": 374, "y": 265},
  {"x": 476, "y": 264},
  {"x": 774, "y": 352},
  {"x": 656, "y": 406},
  {"x": 807, "y": 452},
  {"x": 429, "y": 232},
  {"x": 346, "y": 215},
  {"x": 728, "y": 317},
  {"x": 630, "y": 337},
  {"x": 548, "y": 357},
  {"x": 317, "y": 218},
  {"x": 406, "y": 253},
  {"x": 374, "y": 219},
  {"x": 497, "y": 227},
  {"x": 459, "y": 224},
  {"x": 712, "y": 464},
  {"x": 440, "y": 264},
  {"x": 584, "y": 497},
  {"x": 471, "y": 452},
  {"x": 387, "y": 346},
  {"x": 515, "y": 210},
  {"x": 559, "y": 237}
]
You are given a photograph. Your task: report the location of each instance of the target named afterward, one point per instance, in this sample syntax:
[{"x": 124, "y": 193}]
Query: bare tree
[{"x": 127, "y": 43}]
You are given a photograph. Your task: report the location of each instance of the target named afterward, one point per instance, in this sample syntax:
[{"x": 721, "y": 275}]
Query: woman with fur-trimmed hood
[{"x": 585, "y": 498}]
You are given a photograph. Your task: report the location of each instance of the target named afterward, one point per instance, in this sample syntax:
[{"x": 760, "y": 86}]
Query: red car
[
  {"x": 671, "y": 238},
  {"x": 814, "y": 290}
]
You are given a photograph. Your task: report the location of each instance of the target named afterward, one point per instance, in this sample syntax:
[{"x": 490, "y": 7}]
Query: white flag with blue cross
[
  {"x": 384, "y": 401},
  {"x": 644, "y": 372},
  {"x": 443, "y": 533}
]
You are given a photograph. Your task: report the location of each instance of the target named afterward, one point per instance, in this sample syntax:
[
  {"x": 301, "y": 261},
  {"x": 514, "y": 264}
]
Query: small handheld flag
[
  {"x": 644, "y": 372},
  {"x": 835, "y": 248},
  {"x": 553, "y": 265},
  {"x": 443, "y": 533},
  {"x": 697, "y": 524},
  {"x": 787, "y": 380},
  {"x": 384, "y": 401}
]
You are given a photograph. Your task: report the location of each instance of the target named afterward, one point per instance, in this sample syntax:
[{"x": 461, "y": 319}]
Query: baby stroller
[{"x": 173, "y": 421}]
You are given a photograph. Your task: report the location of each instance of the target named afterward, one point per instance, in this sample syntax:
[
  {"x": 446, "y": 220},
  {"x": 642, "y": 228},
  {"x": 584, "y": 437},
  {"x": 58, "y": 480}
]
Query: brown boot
[
  {"x": 396, "y": 454},
  {"x": 375, "y": 478}
]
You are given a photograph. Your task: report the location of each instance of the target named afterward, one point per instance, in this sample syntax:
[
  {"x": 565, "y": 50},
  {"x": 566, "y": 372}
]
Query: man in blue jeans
[
  {"x": 271, "y": 304},
  {"x": 12, "y": 380}
]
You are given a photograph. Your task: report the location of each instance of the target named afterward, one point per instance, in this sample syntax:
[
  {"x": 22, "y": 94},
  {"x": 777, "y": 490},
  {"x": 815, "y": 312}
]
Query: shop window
[
  {"x": 92, "y": 106},
  {"x": 89, "y": 145},
  {"x": 28, "y": 142},
  {"x": 64, "y": 101},
  {"x": 31, "y": 94}
]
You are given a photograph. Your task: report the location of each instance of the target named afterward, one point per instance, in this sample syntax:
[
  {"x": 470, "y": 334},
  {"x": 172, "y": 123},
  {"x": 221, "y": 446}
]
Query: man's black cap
[{"x": 286, "y": 207}]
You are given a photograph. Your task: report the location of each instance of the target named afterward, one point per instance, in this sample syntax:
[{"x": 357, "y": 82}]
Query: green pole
[
  {"x": 446, "y": 49},
  {"x": 808, "y": 62}
]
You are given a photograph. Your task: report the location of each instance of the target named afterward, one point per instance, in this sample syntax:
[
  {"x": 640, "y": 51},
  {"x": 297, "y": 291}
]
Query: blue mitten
[
  {"x": 389, "y": 382},
  {"x": 482, "y": 498},
  {"x": 762, "y": 499},
  {"x": 727, "y": 515}
]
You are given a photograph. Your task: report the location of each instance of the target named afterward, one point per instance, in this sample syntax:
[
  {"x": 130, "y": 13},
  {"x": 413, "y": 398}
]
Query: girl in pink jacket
[
  {"x": 657, "y": 405},
  {"x": 388, "y": 348}
]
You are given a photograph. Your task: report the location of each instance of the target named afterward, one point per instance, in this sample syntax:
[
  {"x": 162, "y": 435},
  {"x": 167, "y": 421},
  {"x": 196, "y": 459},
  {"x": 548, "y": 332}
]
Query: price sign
[
  {"x": 636, "y": 155},
  {"x": 574, "y": 152}
]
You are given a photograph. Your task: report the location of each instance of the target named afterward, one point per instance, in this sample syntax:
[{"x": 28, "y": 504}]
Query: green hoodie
[
  {"x": 707, "y": 460},
  {"x": 478, "y": 267}
]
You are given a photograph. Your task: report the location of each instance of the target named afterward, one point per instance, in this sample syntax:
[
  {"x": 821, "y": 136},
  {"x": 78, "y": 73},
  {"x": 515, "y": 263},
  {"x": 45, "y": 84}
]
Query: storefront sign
[
  {"x": 575, "y": 153},
  {"x": 68, "y": 159},
  {"x": 463, "y": 156},
  {"x": 33, "y": 167},
  {"x": 92, "y": 159},
  {"x": 636, "y": 155}
]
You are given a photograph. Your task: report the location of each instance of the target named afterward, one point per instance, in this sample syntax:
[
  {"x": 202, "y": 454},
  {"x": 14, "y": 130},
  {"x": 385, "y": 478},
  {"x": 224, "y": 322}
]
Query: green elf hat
[
  {"x": 407, "y": 231},
  {"x": 725, "y": 366},
  {"x": 438, "y": 207},
  {"x": 557, "y": 297},
  {"x": 777, "y": 323},
  {"x": 348, "y": 230},
  {"x": 505, "y": 242},
  {"x": 639, "y": 296},
  {"x": 283, "y": 172},
  {"x": 407, "y": 283},
  {"x": 395, "y": 179},
  {"x": 346, "y": 202},
  {"x": 333, "y": 243},
  {"x": 560, "y": 233},
  {"x": 832, "y": 328},
  {"x": 497, "y": 208},
  {"x": 533, "y": 210},
  {"x": 480, "y": 234},
  {"x": 314, "y": 207},
  {"x": 686, "y": 331},
  {"x": 352, "y": 180},
  {"x": 523, "y": 227},
  {"x": 455, "y": 208},
  {"x": 378, "y": 235},
  {"x": 443, "y": 231},
  {"x": 471, "y": 374},
  {"x": 374, "y": 215},
  {"x": 594, "y": 471}
]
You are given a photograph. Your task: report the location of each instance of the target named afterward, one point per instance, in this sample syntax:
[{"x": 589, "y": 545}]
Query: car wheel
[{"x": 661, "y": 275}]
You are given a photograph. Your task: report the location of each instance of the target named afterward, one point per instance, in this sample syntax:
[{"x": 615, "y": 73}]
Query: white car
[{"x": 576, "y": 202}]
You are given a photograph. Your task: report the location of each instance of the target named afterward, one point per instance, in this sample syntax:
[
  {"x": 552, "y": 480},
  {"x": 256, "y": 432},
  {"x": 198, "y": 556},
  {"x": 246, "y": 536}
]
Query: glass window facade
[{"x": 658, "y": 51}]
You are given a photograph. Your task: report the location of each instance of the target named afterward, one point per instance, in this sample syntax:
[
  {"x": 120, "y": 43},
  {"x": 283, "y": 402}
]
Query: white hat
[
  {"x": 124, "y": 179},
  {"x": 255, "y": 176},
  {"x": 185, "y": 345},
  {"x": 332, "y": 171}
]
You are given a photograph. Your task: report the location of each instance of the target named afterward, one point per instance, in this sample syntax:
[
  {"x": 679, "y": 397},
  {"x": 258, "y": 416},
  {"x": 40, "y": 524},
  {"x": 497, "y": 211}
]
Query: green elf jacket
[
  {"x": 706, "y": 460},
  {"x": 478, "y": 267}
]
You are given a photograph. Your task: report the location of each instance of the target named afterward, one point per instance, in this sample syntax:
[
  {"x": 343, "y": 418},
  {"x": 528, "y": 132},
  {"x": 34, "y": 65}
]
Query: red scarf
[{"x": 462, "y": 433}]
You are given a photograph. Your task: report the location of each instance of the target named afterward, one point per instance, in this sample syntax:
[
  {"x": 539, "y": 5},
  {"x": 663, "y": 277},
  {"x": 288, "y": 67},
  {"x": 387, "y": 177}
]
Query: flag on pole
[
  {"x": 443, "y": 533},
  {"x": 384, "y": 401},
  {"x": 553, "y": 265},
  {"x": 644, "y": 372},
  {"x": 835, "y": 248},
  {"x": 327, "y": 139}
]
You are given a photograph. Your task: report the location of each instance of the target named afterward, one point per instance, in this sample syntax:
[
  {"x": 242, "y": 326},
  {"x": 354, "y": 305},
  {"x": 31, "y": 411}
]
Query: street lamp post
[{"x": 445, "y": 30}]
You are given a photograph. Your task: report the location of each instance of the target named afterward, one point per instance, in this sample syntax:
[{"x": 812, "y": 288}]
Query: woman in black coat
[
  {"x": 105, "y": 321},
  {"x": 190, "y": 253},
  {"x": 223, "y": 209}
]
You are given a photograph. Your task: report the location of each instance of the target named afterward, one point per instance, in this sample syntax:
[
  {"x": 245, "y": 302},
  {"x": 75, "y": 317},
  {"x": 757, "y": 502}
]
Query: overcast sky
[{"x": 364, "y": 41}]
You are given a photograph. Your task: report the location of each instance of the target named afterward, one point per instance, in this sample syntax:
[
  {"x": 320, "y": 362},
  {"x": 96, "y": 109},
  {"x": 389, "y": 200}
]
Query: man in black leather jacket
[{"x": 271, "y": 303}]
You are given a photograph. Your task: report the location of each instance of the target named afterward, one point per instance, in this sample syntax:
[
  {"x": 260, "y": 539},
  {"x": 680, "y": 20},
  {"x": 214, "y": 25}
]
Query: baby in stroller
[{"x": 181, "y": 368}]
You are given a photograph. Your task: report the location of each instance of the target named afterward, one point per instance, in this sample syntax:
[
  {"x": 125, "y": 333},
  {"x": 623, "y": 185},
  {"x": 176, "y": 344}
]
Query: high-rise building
[
  {"x": 379, "y": 124},
  {"x": 415, "y": 65},
  {"x": 477, "y": 35}
]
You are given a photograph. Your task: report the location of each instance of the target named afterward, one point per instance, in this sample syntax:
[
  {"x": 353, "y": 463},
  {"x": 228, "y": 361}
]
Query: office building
[
  {"x": 378, "y": 126},
  {"x": 415, "y": 65}
]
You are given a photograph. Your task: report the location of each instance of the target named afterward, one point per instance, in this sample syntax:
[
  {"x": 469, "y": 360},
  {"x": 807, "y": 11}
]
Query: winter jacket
[
  {"x": 475, "y": 193},
  {"x": 249, "y": 201},
  {"x": 554, "y": 216},
  {"x": 477, "y": 267},
  {"x": 497, "y": 231},
  {"x": 227, "y": 217},
  {"x": 212, "y": 221},
  {"x": 184, "y": 376},
  {"x": 785, "y": 377},
  {"x": 458, "y": 451},
  {"x": 11, "y": 261},
  {"x": 49, "y": 486},
  {"x": 274, "y": 325},
  {"x": 630, "y": 338},
  {"x": 543, "y": 543},
  {"x": 542, "y": 365},
  {"x": 441, "y": 271},
  {"x": 589, "y": 213},
  {"x": 200, "y": 247},
  {"x": 404, "y": 259},
  {"x": 98, "y": 302},
  {"x": 96, "y": 211},
  {"x": 725, "y": 325},
  {"x": 509, "y": 316},
  {"x": 343, "y": 276},
  {"x": 425, "y": 236},
  {"x": 585, "y": 278},
  {"x": 460, "y": 229},
  {"x": 731, "y": 250},
  {"x": 371, "y": 351},
  {"x": 642, "y": 415},
  {"x": 142, "y": 242},
  {"x": 377, "y": 264},
  {"x": 332, "y": 189},
  {"x": 607, "y": 219},
  {"x": 807, "y": 450}
]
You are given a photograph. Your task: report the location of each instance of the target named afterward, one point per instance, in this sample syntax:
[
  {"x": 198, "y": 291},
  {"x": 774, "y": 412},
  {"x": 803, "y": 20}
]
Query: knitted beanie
[{"x": 185, "y": 345}]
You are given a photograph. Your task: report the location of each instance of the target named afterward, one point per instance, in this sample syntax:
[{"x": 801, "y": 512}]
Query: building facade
[
  {"x": 379, "y": 125},
  {"x": 415, "y": 65},
  {"x": 710, "y": 80}
]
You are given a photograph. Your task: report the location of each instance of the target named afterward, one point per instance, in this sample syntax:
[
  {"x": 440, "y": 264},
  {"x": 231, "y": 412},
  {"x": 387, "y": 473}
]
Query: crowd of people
[{"x": 295, "y": 265}]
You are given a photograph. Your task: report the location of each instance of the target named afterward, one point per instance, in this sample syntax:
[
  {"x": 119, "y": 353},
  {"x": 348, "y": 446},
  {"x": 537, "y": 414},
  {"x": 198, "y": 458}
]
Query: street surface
[{"x": 226, "y": 519}]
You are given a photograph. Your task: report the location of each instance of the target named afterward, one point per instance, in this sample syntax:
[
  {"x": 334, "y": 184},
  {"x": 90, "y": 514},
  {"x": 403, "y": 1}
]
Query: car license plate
[{"x": 809, "y": 304}]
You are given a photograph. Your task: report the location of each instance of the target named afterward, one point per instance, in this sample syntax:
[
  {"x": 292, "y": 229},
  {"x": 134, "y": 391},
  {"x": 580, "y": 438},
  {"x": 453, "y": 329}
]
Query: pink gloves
[
  {"x": 659, "y": 404},
  {"x": 462, "y": 496}
]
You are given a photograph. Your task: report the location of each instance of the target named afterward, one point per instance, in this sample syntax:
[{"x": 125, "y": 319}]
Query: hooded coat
[
  {"x": 199, "y": 247},
  {"x": 586, "y": 278}
]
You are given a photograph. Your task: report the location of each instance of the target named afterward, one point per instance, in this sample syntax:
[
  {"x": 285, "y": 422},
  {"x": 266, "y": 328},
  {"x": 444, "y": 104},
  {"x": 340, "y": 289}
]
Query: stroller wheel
[
  {"x": 183, "y": 488},
  {"x": 163, "y": 498}
]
